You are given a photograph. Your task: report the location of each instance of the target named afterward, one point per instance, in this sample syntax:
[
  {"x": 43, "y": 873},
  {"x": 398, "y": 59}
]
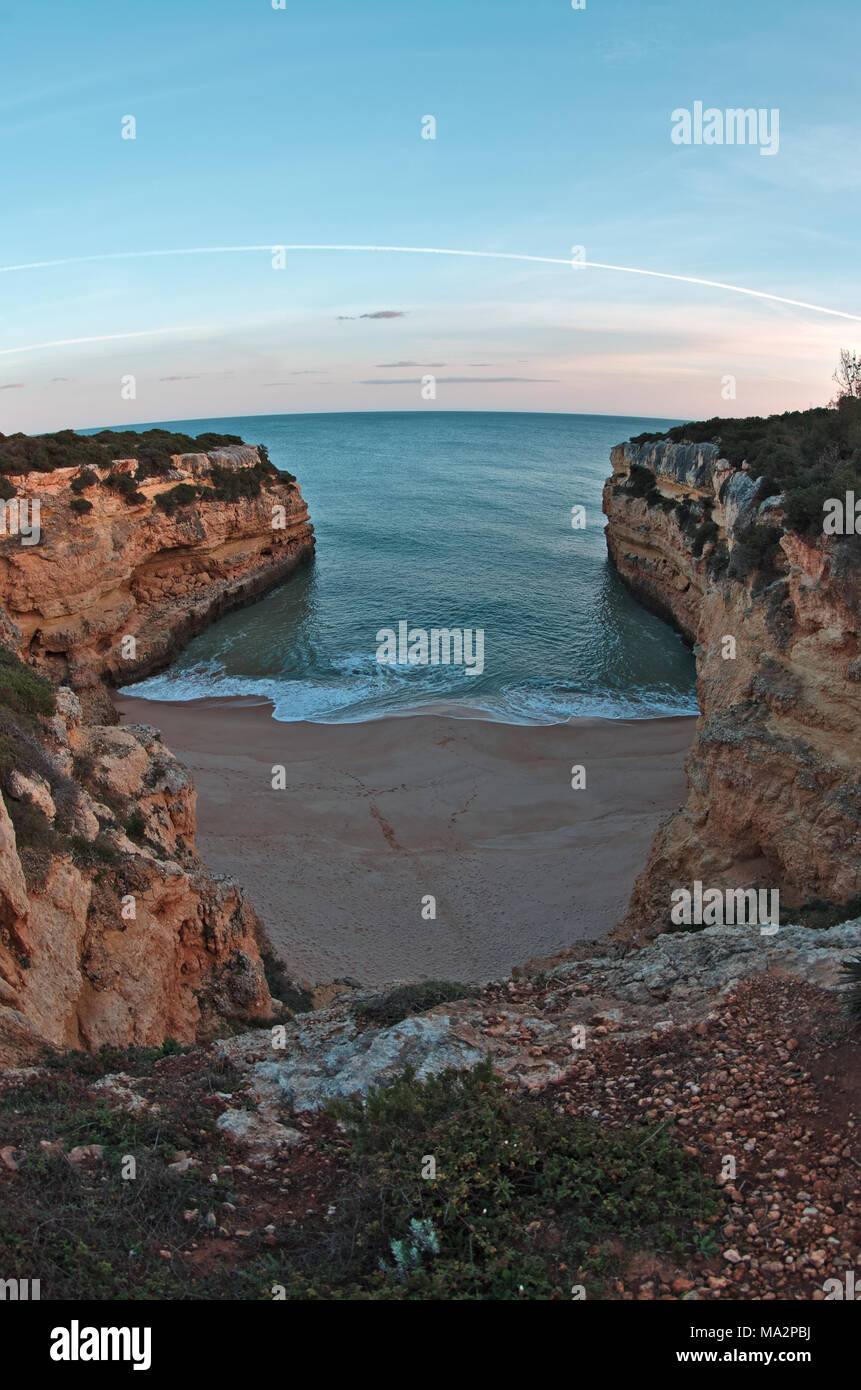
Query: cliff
[
  {"x": 131, "y": 566},
  {"x": 112, "y": 932},
  {"x": 774, "y": 770}
]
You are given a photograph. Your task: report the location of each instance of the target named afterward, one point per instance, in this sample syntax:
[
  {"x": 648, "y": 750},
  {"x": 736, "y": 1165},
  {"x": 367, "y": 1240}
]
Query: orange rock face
[
  {"x": 121, "y": 936},
  {"x": 132, "y": 571},
  {"x": 774, "y": 790},
  {"x": 111, "y": 929}
]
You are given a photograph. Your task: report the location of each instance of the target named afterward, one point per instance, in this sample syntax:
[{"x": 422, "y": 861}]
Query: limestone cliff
[
  {"x": 774, "y": 770},
  {"x": 130, "y": 568},
  {"x": 111, "y": 929}
]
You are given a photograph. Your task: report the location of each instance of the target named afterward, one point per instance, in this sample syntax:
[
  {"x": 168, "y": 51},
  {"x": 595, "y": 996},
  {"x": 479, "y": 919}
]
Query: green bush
[
  {"x": 86, "y": 478},
  {"x": 127, "y": 486},
  {"x": 135, "y": 826},
  {"x": 179, "y": 496},
  {"x": 81, "y": 506},
  {"x": 230, "y": 484},
  {"x": 36, "y": 840},
  {"x": 21, "y": 453},
  {"x": 281, "y": 986},
  {"x": 759, "y": 538},
  {"x": 641, "y": 483},
  {"x": 522, "y": 1198},
  {"x": 24, "y": 692},
  {"x": 406, "y": 1000},
  {"x": 809, "y": 455}
]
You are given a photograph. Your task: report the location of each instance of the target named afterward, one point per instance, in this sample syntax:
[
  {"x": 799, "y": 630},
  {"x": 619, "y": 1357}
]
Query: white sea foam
[{"x": 357, "y": 695}]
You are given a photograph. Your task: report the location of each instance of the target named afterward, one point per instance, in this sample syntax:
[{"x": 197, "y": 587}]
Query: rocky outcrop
[
  {"x": 774, "y": 621},
  {"x": 111, "y": 595},
  {"x": 111, "y": 929},
  {"x": 116, "y": 934},
  {"x": 527, "y": 1026}
]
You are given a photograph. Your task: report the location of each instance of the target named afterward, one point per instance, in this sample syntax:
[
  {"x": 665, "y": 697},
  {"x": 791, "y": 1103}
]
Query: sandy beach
[{"x": 377, "y": 816}]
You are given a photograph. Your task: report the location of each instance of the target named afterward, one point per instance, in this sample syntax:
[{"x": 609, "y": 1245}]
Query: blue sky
[{"x": 258, "y": 126}]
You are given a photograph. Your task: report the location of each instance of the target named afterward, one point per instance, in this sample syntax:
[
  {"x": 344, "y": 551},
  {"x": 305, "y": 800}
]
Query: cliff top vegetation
[
  {"x": 22, "y": 453},
  {"x": 808, "y": 455}
]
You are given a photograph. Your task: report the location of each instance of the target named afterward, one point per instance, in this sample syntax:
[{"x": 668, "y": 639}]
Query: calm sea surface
[{"x": 446, "y": 520}]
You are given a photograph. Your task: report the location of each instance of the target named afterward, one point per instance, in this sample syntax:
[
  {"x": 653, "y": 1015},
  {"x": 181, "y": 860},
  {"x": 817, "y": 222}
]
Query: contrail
[
  {"x": 269, "y": 248},
  {"x": 101, "y": 338}
]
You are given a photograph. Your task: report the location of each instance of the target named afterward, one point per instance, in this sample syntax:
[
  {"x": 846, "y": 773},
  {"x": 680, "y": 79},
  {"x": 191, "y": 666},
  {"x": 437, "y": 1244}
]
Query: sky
[{"x": 260, "y": 127}]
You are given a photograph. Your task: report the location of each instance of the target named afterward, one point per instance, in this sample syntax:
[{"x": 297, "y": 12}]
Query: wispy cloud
[
  {"x": 378, "y": 314},
  {"x": 13, "y": 386},
  {"x": 425, "y": 364},
  {"x": 451, "y": 380}
]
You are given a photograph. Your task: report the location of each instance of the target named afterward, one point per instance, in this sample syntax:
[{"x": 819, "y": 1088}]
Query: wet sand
[{"x": 377, "y": 816}]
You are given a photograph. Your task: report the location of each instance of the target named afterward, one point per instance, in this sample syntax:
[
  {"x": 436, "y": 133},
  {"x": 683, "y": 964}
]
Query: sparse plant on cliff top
[
  {"x": 847, "y": 378},
  {"x": 135, "y": 826},
  {"x": 757, "y": 547}
]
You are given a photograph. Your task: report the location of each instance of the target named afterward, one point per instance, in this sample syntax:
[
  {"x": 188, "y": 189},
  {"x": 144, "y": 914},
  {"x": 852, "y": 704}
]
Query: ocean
[{"x": 443, "y": 520}]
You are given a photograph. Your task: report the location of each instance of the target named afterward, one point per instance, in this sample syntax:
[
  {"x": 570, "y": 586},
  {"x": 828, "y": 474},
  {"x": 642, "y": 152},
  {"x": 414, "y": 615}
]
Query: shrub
[
  {"x": 763, "y": 543},
  {"x": 86, "y": 478},
  {"x": 229, "y": 484},
  {"x": 24, "y": 692},
  {"x": 127, "y": 486},
  {"x": 406, "y": 1000},
  {"x": 179, "y": 496},
  {"x": 36, "y": 841},
  {"x": 21, "y": 453},
  {"x": 81, "y": 506},
  {"x": 94, "y": 854},
  {"x": 809, "y": 455},
  {"x": 706, "y": 533},
  {"x": 641, "y": 483},
  {"x": 280, "y": 985},
  {"x": 135, "y": 826},
  {"x": 522, "y": 1196}
]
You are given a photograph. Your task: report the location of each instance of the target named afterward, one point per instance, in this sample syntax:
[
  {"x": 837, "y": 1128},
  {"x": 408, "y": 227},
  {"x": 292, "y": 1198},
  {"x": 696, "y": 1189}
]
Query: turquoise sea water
[{"x": 447, "y": 520}]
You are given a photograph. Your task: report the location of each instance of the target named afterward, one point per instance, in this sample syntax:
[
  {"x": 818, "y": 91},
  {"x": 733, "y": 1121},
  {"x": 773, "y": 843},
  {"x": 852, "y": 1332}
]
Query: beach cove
[{"x": 377, "y": 816}]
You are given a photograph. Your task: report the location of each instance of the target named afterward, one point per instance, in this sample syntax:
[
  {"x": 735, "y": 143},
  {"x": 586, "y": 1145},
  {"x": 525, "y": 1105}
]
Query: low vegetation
[
  {"x": 808, "y": 455},
  {"x": 22, "y": 453},
  {"x": 406, "y": 1000},
  {"x": 525, "y": 1203}
]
